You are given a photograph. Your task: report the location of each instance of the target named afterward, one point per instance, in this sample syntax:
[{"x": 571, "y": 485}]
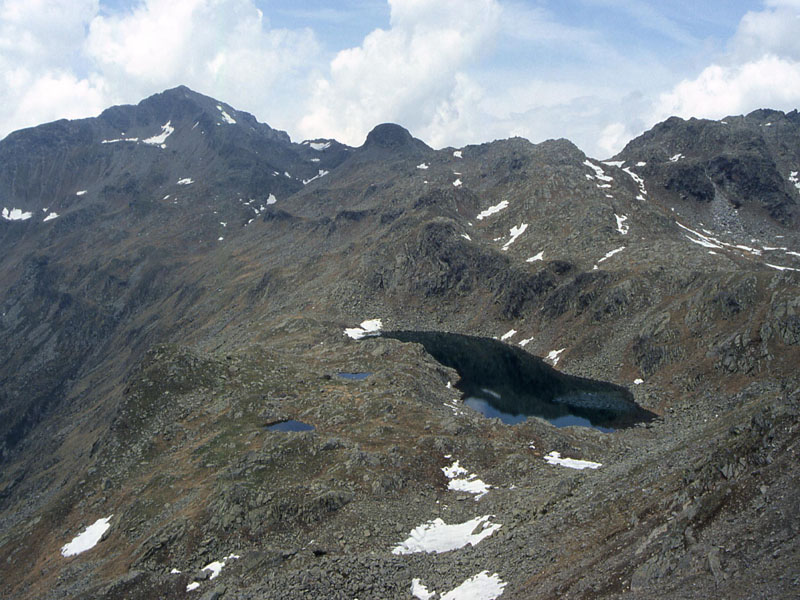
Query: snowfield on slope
[
  {"x": 158, "y": 140},
  {"x": 478, "y": 587},
  {"x": 225, "y": 116},
  {"x": 554, "y": 458},
  {"x": 554, "y": 356},
  {"x": 515, "y": 232},
  {"x": 370, "y": 327},
  {"x": 492, "y": 210},
  {"x": 16, "y": 214},
  {"x": 437, "y": 536},
  {"x": 470, "y": 484},
  {"x": 214, "y": 568},
  {"x": 88, "y": 538}
]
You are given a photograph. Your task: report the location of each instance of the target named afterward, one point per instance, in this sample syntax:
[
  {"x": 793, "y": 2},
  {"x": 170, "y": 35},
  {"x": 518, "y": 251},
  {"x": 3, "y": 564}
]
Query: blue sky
[{"x": 454, "y": 72}]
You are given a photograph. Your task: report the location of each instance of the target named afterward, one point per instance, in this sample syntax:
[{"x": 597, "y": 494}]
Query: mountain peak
[
  {"x": 390, "y": 136},
  {"x": 184, "y": 105}
]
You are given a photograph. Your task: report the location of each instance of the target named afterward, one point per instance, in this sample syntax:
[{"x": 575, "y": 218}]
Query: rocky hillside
[
  {"x": 739, "y": 173},
  {"x": 177, "y": 277}
]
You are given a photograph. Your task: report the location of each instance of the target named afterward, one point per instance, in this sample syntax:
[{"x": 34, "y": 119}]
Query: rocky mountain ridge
[{"x": 194, "y": 286}]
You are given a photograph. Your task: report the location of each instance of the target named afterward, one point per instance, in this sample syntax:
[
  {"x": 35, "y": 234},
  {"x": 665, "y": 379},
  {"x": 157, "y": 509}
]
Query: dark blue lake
[
  {"x": 290, "y": 425},
  {"x": 503, "y": 381}
]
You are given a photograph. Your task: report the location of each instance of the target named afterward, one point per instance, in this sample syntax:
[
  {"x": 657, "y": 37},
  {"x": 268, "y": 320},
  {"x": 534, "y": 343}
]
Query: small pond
[
  {"x": 356, "y": 376},
  {"x": 503, "y": 381},
  {"x": 290, "y": 425}
]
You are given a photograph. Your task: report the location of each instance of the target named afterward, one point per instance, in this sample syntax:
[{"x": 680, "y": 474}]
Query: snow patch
[
  {"x": 437, "y": 536},
  {"x": 215, "y": 568},
  {"x": 555, "y": 355},
  {"x": 638, "y": 180},
  {"x": 703, "y": 241},
  {"x": 780, "y": 268},
  {"x": 676, "y": 158},
  {"x": 120, "y": 140},
  {"x": 423, "y": 166},
  {"x": 453, "y": 470},
  {"x": 554, "y": 458},
  {"x": 641, "y": 164},
  {"x": 754, "y": 251},
  {"x": 457, "y": 154},
  {"x": 469, "y": 484},
  {"x": 466, "y": 237},
  {"x": 598, "y": 171},
  {"x": 419, "y": 591},
  {"x": 185, "y": 181},
  {"x": 610, "y": 254},
  {"x": 479, "y": 587},
  {"x": 638, "y": 381},
  {"x": 88, "y": 538},
  {"x": 525, "y": 342},
  {"x": 793, "y": 178},
  {"x": 225, "y": 116},
  {"x": 50, "y": 217},
  {"x": 158, "y": 140},
  {"x": 369, "y": 328},
  {"x": 515, "y": 233},
  {"x": 81, "y": 193},
  {"x": 492, "y": 210},
  {"x": 318, "y": 146},
  {"x": 16, "y": 214},
  {"x": 539, "y": 256},
  {"x": 711, "y": 242},
  {"x": 508, "y": 334},
  {"x": 457, "y": 183},
  {"x": 622, "y": 227},
  {"x": 320, "y": 173},
  {"x": 614, "y": 163},
  {"x": 272, "y": 199}
]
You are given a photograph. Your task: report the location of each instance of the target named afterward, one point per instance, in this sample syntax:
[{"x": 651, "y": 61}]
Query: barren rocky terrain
[{"x": 194, "y": 288}]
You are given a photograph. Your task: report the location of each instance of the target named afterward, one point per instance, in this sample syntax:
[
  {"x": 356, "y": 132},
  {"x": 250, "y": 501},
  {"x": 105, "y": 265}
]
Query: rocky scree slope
[
  {"x": 193, "y": 289},
  {"x": 739, "y": 173}
]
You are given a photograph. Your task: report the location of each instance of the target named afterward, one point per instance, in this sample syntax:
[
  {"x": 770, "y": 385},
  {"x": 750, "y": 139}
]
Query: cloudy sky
[{"x": 453, "y": 72}]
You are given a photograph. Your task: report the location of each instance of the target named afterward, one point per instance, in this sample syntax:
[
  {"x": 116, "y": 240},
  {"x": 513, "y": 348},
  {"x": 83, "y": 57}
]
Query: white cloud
[
  {"x": 220, "y": 47},
  {"x": 769, "y": 82},
  {"x": 457, "y": 119},
  {"x": 62, "y": 58},
  {"x": 407, "y": 73},
  {"x": 43, "y": 33},
  {"x": 613, "y": 138},
  {"x": 775, "y": 30},
  {"x": 40, "y": 41},
  {"x": 760, "y": 70},
  {"x": 49, "y": 96}
]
